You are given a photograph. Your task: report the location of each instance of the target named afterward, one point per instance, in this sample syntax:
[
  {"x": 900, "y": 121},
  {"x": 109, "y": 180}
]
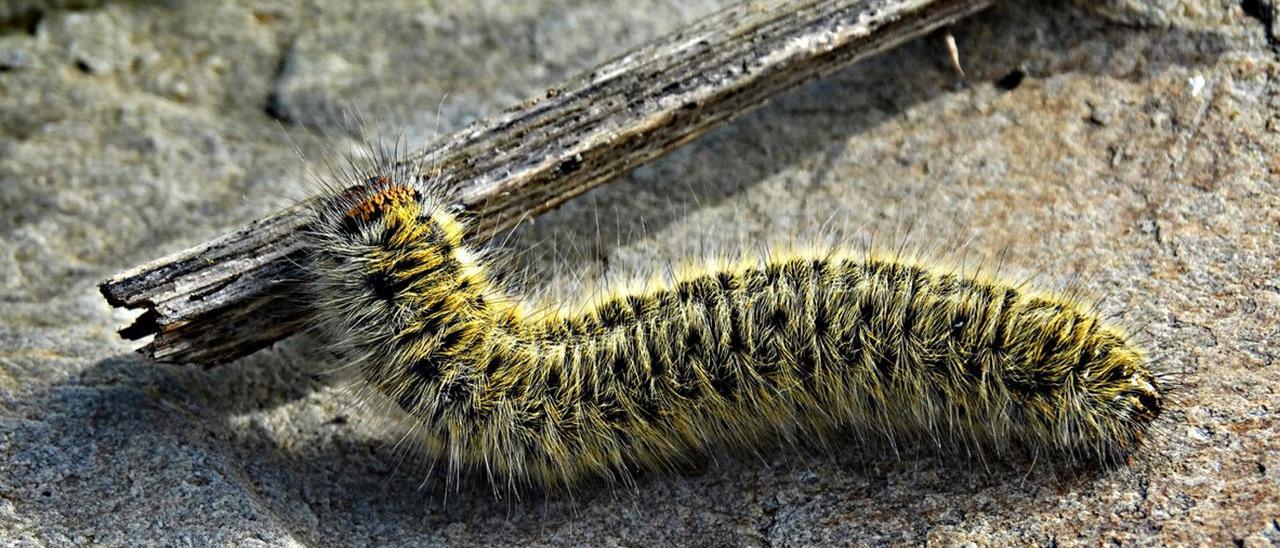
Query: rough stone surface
[{"x": 1131, "y": 148}]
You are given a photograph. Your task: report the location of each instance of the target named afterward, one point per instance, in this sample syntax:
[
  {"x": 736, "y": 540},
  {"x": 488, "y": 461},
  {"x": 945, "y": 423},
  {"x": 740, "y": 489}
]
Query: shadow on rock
[{"x": 169, "y": 444}]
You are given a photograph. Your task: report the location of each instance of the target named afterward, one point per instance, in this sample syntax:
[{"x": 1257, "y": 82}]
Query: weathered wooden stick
[{"x": 238, "y": 293}]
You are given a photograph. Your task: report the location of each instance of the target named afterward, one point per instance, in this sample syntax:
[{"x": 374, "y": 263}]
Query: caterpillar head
[
  {"x": 383, "y": 198},
  {"x": 380, "y": 243},
  {"x": 391, "y": 212}
]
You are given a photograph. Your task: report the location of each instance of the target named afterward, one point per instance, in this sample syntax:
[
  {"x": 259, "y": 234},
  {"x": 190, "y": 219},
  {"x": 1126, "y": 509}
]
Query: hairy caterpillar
[{"x": 805, "y": 343}]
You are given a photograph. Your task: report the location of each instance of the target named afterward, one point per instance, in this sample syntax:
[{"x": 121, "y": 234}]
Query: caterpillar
[{"x": 782, "y": 346}]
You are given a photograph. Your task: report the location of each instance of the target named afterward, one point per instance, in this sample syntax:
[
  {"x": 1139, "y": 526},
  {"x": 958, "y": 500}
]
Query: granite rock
[{"x": 1130, "y": 149}]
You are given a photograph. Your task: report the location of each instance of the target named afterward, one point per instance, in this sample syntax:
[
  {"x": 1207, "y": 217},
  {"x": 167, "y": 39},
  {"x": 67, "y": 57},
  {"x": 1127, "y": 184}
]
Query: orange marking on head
[{"x": 373, "y": 206}]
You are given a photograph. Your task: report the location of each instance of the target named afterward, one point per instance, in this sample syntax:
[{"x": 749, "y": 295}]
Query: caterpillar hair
[{"x": 789, "y": 344}]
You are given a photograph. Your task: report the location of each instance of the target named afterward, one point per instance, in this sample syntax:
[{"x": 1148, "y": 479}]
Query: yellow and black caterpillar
[{"x": 797, "y": 344}]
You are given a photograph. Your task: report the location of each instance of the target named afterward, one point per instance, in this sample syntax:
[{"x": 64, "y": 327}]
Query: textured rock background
[{"x": 1134, "y": 146}]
